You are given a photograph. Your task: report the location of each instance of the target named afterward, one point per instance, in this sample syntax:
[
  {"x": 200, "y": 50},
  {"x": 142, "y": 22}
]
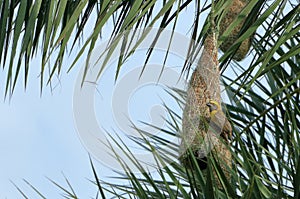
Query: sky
[
  {"x": 39, "y": 137},
  {"x": 39, "y": 134},
  {"x": 39, "y": 140}
]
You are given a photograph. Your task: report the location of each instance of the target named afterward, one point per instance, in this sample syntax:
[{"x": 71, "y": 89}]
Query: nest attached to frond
[
  {"x": 204, "y": 85},
  {"x": 232, "y": 13}
]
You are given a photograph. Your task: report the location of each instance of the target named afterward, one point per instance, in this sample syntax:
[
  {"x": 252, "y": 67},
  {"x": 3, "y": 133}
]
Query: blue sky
[{"x": 39, "y": 138}]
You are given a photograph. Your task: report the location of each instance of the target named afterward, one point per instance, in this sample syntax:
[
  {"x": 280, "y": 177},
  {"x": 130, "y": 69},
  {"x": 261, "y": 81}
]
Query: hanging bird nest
[
  {"x": 200, "y": 140},
  {"x": 197, "y": 136},
  {"x": 232, "y": 13}
]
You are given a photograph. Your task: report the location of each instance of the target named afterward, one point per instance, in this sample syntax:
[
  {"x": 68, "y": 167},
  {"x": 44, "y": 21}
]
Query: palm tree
[{"x": 263, "y": 91}]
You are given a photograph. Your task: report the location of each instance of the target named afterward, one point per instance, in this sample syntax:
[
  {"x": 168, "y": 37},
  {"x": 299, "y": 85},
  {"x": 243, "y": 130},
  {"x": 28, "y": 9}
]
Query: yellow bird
[{"x": 218, "y": 121}]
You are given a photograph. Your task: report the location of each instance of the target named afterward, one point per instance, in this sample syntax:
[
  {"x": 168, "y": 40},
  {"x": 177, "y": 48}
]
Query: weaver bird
[{"x": 218, "y": 121}]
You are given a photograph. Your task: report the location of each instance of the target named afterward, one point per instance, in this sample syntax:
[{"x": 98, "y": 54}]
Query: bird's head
[{"x": 213, "y": 106}]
